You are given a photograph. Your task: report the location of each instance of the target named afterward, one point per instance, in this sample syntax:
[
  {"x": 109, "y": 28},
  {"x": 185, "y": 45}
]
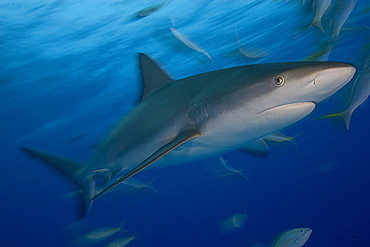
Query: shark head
[
  {"x": 292, "y": 83},
  {"x": 265, "y": 98},
  {"x": 286, "y": 87},
  {"x": 294, "y": 89}
]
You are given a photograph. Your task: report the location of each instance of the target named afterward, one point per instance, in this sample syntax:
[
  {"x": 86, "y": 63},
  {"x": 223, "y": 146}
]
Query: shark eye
[{"x": 279, "y": 81}]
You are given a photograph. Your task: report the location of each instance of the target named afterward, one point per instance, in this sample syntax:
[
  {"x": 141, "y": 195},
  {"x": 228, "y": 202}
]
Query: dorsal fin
[{"x": 154, "y": 77}]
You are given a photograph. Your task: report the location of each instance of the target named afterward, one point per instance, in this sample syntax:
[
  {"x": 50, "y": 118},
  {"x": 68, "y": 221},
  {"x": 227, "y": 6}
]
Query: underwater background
[{"x": 69, "y": 72}]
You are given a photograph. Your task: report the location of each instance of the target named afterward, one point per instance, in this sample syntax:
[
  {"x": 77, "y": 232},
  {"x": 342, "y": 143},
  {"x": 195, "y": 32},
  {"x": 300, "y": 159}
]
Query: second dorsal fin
[{"x": 154, "y": 77}]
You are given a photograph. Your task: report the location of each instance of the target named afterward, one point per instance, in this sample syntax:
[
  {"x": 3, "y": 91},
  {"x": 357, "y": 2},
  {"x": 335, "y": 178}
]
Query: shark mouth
[{"x": 291, "y": 106}]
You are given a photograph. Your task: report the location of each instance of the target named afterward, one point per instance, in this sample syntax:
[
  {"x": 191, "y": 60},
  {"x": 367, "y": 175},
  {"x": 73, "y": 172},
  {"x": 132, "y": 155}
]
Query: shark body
[{"x": 205, "y": 115}]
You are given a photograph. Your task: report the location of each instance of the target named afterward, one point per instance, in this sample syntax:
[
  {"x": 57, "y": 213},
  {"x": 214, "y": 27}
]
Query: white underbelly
[
  {"x": 218, "y": 137},
  {"x": 235, "y": 129}
]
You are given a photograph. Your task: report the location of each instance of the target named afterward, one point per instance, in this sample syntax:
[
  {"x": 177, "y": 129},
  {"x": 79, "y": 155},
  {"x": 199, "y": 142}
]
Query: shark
[{"x": 198, "y": 117}]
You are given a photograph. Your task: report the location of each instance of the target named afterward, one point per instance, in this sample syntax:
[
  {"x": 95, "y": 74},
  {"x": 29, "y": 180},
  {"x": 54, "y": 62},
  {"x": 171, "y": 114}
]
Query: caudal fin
[
  {"x": 317, "y": 22},
  {"x": 73, "y": 171},
  {"x": 345, "y": 115},
  {"x": 151, "y": 186},
  {"x": 121, "y": 229}
]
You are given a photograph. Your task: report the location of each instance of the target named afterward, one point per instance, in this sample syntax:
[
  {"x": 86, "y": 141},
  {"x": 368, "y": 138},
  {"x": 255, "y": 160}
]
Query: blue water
[{"x": 69, "y": 72}]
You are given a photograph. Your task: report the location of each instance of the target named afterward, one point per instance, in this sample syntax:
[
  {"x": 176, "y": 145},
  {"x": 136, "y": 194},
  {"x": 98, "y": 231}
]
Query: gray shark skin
[{"x": 178, "y": 121}]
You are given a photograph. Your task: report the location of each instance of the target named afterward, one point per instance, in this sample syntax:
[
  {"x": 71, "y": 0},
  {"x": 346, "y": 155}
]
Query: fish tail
[
  {"x": 134, "y": 236},
  {"x": 120, "y": 228},
  {"x": 242, "y": 174},
  {"x": 345, "y": 115},
  {"x": 72, "y": 171},
  {"x": 317, "y": 22},
  {"x": 151, "y": 187},
  {"x": 293, "y": 140}
]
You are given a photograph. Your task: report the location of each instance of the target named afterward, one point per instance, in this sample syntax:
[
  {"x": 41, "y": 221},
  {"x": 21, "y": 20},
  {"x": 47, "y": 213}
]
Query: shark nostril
[{"x": 315, "y": 79}]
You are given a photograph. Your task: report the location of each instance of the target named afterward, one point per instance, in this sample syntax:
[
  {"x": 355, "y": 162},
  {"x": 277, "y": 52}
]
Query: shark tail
[
  {"x": 345, "y": 115},
  {"x": 72, "y": 170}
]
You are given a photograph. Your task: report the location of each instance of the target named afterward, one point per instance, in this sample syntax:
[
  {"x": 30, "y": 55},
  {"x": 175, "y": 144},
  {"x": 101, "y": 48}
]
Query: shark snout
[
  {"x": 329, "y": 80},
  {"x": 336, "y": 76}
]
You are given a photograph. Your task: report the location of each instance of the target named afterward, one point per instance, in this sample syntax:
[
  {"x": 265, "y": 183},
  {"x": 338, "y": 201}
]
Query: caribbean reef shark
[{"x": 178, "y": 121}]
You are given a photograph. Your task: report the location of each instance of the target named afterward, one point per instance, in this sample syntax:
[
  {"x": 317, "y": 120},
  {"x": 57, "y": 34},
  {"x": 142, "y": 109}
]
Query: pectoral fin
[{"x": 180, "y": 139}]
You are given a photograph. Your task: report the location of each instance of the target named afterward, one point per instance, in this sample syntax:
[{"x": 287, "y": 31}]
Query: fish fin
[
  {"x": 180, "y": 139},
  {"x": 151, "y": 187},
  {"x": 293, "y": 140},
  {"x": 227, "y": 174},
  {"x": 354, "y": 86},
  {"x": 134, "y": 236},
  {"x": 317, "y": 22},
  {"x": 153, "y": 76},
  {"x": 242, "y": 174},
  {"x": 345, "y": 115},
  {"x": 257, "y": 148},
  {"x": 70, "y": 169},
  {"x": 121, "y": 229}
]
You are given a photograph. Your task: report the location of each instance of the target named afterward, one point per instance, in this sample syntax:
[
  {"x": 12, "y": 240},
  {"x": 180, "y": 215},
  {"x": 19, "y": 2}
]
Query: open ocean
[{"x": 69, "y": 72}]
